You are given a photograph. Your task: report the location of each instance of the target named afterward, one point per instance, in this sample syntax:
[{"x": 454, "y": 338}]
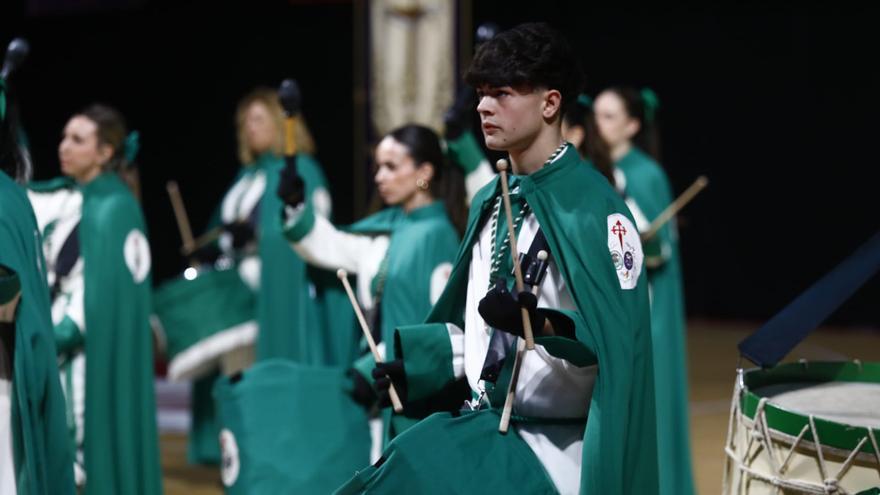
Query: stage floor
[{"x": 712, "y": 363}]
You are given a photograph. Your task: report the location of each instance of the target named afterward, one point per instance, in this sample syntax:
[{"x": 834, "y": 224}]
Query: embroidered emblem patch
[
  {"x": 626, "y": 250},
  {"x": 136, "y": 251},
  {"x": 229, "y": 463}
]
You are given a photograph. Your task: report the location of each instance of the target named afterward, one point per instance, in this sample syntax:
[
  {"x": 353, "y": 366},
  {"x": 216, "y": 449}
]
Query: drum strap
[
  {"x": 66, "y": 259},
  {"x": 772, "y": 342}
]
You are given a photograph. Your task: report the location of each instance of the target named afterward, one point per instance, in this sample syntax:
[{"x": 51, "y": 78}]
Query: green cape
[
  {"x": 42, "y": 451},
  {"x": 121, "y": 443},
  {"x": 572, "y": 203},
  {"x": 419, "y": 241},
  {"x": 648, "y": 185}
]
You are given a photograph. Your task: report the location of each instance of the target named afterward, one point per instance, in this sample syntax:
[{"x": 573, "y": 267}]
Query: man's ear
[{"x": 552, "y": 104}]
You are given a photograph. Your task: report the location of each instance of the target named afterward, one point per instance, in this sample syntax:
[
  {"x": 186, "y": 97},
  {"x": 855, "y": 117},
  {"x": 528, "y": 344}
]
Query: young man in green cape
[
  {"x": 583, "y": 417},
  {"x": 35, "y": 456}
]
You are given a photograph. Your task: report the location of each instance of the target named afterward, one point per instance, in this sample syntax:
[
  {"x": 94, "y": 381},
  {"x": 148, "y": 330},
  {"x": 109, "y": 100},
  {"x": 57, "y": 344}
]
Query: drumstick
[
  {"x": 180, "y": 215},
  {"x": 343, "y": 276},
  {"x": 676, "y": 206},
  {"x": 203, "y": 240},
  {"x": 289, "y": 95},
  {"x": 514, "y": 376},
  {"x": 505, "y": 194}
]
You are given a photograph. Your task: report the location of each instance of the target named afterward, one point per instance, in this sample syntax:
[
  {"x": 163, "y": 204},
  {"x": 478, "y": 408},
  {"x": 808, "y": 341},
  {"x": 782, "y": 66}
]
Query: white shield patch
[
  {"x": 229, "y": 463},
  {"x": 136, "y": 251},
  {"x": 626, "y": 250}
]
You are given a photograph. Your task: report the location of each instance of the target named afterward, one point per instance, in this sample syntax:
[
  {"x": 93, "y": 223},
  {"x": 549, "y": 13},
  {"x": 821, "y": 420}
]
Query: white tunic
[
  {"x": 548, "y": 387},
  {"x": 58, "y": 213}
]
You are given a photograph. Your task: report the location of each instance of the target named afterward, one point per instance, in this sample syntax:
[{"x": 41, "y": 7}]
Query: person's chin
[{"x": 496, "y": 143}]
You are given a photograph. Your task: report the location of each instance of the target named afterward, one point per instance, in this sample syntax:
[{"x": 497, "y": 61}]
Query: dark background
[{"x": 777, "y": 105}]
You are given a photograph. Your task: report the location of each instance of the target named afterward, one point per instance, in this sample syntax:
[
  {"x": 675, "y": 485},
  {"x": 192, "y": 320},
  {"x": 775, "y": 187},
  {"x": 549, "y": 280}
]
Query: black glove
[
  {"x": 457, "y": 118},
  {"x": 291, "y": 188},
  {"x": 362, "y": 392},
  {"x": 242, "y": 233},
  {"x": 384, "y": 375},
  {"x": 503, "y": 310}
]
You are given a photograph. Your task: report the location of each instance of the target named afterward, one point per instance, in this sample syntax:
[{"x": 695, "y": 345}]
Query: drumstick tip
[
  {"x": 703, "y": 181},
  {"x": 501, "y": 165},
  {"x": 341, "y": 274},
  {"x": 542, "y": 255}
]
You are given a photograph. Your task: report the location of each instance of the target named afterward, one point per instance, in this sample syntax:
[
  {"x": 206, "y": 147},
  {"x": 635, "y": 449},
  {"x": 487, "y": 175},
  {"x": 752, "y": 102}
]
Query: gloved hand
[
  {"x": 384, "y": 375},
  {"x": 362, "y": 392},
  {"x": 207, "y": 254},
  {"x": 242, "y": 233},
  {"x": 457, "y": 118},
  {"x": 291, "y": 188},
  {"x": 503, "y": 310}
]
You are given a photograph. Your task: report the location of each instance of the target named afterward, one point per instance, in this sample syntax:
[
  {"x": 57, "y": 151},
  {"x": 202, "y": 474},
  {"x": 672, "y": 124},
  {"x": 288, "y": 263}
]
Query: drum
[
  {"x": 289, "y": 428},
  {"x": 208, "y": 322},
  {"x": 806, "y": 427}
]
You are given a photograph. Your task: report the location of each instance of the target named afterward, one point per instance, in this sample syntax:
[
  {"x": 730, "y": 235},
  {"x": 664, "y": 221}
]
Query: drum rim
[{"x": 832, "y": 434}]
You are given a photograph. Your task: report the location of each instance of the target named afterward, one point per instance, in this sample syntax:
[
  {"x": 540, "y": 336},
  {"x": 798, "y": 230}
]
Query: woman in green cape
[
  {"x": 98, "y": 264},
  {"x": 35, "y": 454},
  {"x": 619, "y": 135},
  {"x": 401, "y": 256}
]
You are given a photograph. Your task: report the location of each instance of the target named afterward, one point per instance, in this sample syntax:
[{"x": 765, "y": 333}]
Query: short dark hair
[{"x": 530, "y": 55}]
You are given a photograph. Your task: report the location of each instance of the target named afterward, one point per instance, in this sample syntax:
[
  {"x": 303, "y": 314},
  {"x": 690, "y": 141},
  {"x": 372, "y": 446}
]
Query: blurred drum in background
[{"x": 207, "y": 320}]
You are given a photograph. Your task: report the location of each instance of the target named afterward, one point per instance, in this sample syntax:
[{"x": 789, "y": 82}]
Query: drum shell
[{"x": 203, "y": 320}]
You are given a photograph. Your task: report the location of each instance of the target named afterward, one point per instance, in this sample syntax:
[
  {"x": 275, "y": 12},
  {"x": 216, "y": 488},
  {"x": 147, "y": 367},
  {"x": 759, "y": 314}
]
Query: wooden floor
[{"x": 712, "y": 363}]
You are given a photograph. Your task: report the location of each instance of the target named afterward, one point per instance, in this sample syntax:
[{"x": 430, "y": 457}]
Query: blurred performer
[
  {"x": 98, "y": 264},
  {"x": 252, "y": 241},
  {"x": 35, "y": 453},
  {"x": 401, "y": 255},
  {"x": 583, "y": 415},
  {"x": 626, "y": 124}
]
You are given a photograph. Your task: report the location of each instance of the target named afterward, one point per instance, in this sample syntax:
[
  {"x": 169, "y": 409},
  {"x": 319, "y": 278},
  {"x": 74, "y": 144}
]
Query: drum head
[{"x": 842, "y": 397}]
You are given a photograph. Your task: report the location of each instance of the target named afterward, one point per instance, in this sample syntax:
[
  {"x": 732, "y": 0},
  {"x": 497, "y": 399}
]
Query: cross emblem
[{"x": 620, "y": 230}]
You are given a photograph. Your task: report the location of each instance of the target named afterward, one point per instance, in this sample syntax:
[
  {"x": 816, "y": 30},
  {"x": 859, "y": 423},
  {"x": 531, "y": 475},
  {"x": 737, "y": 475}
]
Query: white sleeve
[
  {"x": 456, "y": 342},
  {"x": 321, "y": 202},
  {"x": 326, "y": 247},
  {"x": 475, "y": 180}
]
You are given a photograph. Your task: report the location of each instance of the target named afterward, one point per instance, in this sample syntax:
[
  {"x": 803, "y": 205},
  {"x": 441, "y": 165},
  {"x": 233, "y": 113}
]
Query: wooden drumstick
[
  {"x": 343, "y": 276},
  {"x": 186, "y": 234},
  {"x": 676, "y": 206},
  {"x": 203, "y": 240},
  {"x": 504, "y": 425},
  {"x": 505, "y": 194}
]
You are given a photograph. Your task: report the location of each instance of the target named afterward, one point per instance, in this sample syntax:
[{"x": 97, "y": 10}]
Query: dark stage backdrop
[{"x": 777, "y": 105}]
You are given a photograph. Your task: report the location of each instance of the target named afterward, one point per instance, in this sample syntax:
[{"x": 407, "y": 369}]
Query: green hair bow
[
  {"x": 2, "y": 99},
  {"x": 651, "y": 102},
  {"x": 132, "y": 146},
  {"x": 585, "y": 101}
]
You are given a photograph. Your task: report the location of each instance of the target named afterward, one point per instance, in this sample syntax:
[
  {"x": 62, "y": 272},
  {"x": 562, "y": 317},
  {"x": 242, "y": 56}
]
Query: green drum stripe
[{"x": 831, "y": 433}]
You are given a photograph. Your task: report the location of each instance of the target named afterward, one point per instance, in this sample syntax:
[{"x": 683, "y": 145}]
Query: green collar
[{"x": 433, "y": 210}]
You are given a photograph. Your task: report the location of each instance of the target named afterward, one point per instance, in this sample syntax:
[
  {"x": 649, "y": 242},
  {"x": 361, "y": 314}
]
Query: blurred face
[
  {"x": 80, "y": 153},
  {"x": 510, "y": 118},
  {"x": 397, "y": 176},
  {"x": 615, "y": 125},
  {"x": 260, "y": 128}
]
